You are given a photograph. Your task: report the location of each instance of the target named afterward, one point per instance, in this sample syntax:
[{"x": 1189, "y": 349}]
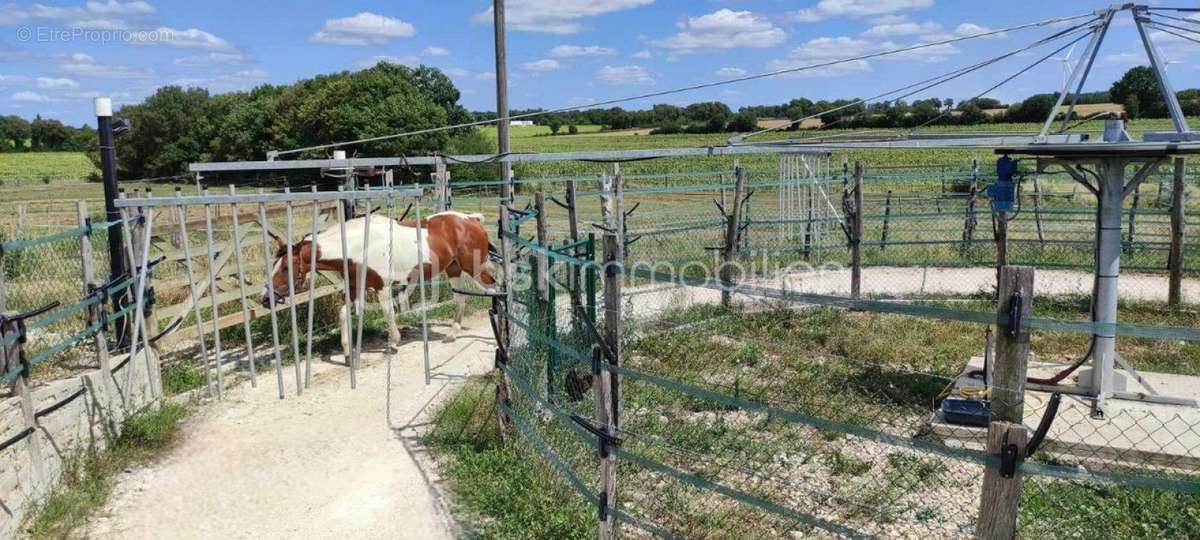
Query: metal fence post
[
  {"x": 1175, "y": 260},
  {"x": 1007, "y": 435},
  {"x": 856, "y": 230}
]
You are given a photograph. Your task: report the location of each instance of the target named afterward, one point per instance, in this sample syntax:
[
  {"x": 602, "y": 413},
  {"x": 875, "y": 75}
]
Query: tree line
[
  {"x": 176, "y": 126},
  {"x": 43, "y": 135},
  {"x": 1137, "y": 91}
]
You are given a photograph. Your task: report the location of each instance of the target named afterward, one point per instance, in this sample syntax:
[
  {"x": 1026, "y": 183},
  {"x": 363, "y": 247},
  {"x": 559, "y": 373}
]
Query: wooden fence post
[
  {"x": 856, "y": 233},
  {"x": 1037, "y": 210},
  {"x": 20, "y": 221},
  {"x": 1137, "y": 196},
  {"x": 13, "y": 358},
  {"x": 94, "y": 313},
  {"x": 733, "y": 228},
  {"x": 607, "y": 387},
  {"x": 887, "y": 215},
  {"x": 970, "y": 221},
  {"x": 1007, "y": 435},
  {"x": 1178, "y": 204},
  {"x": 573, "y": 276},
  {"x": 441, "y": 178},
  {"x": 543, "y": 306}
]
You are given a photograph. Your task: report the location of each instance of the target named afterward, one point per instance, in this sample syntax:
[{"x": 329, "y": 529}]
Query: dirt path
[{"x": 322, "y": 465}]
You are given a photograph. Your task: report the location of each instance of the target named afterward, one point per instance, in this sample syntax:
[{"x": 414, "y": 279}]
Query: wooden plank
[{"x": 255, "y": 311}]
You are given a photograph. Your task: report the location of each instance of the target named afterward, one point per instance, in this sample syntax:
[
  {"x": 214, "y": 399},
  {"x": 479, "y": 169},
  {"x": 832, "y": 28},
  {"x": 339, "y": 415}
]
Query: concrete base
[
  {"x": 1132, "y": 434},
  {"x": 87, "y": 420}
]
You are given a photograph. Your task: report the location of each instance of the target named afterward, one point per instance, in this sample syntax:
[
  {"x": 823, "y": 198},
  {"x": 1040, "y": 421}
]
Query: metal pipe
[
  {"x": 270, "y": 293},
  {"x": 212, "y": 294},
  {"x": 1108, "y": 271},
  {"x": 348, "y": 321},
  {"x": 291, "y": 281},
  {"x": 108, "y": 170},
  {"x": 195, "y": 298},
  {"x": 236, "y": 244},
  {"x": 312, "y": 288}
]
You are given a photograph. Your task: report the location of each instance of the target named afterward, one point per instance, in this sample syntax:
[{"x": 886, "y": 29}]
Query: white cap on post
[
  {"x": 103, "y": 106},
  {"x": 339, "y": 154}
]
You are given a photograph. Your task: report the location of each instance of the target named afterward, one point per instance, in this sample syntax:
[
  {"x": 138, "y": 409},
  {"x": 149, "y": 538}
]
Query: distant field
[
  {"x": 26, "y": 167},
  {"x": 521, "y": 132}
]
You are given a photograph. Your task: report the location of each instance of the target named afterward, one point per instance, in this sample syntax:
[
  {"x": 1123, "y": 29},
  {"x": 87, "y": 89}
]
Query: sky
[{"x": 55, "y": 56}]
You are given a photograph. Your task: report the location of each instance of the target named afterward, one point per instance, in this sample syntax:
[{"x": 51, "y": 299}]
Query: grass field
[{"x": 23, "y": 168}]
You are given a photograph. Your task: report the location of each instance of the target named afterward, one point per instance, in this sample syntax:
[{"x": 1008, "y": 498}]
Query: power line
[
  {"x": 931, "y": 82},
  {"x": 1010, "y": 77},
  {"x": 764, "y": 75}
]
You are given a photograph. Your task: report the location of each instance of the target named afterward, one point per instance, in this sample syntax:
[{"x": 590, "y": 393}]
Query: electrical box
[{"x": 1003, "y": 192}]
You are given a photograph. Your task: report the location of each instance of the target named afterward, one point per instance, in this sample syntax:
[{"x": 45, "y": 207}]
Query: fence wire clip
[
  {"x": 87, "y": 226},
  {"x": 605, "y": 441},
  {"x": 1008, "y": 460},
  {"x": 1015, "y": 313}
]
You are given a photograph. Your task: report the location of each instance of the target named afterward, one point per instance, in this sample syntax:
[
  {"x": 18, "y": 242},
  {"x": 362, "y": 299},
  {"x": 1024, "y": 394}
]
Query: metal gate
[
  {"x": 807, "y": 215},
  {"x": 201, "y": 260}
]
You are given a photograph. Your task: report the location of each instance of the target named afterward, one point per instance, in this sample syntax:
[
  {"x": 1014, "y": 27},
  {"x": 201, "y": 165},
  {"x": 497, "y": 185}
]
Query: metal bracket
[
  {"x": 1015, "y": 313},
  {"x": 1008, "y": 460},
  {"x": 604, "y": 441}
]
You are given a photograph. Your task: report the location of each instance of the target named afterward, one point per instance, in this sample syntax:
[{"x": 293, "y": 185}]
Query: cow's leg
[
  {"x": 460, "y": 305},
  {"x": 344, "y": 317},
  {"x": 387, "y": 302}
]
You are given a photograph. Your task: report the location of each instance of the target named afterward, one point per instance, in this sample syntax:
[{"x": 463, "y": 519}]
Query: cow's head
[{"x": 297, "y": 267}]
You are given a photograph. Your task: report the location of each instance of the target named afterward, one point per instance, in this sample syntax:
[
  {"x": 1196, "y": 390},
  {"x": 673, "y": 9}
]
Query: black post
[{"x": 108, "y": 168}]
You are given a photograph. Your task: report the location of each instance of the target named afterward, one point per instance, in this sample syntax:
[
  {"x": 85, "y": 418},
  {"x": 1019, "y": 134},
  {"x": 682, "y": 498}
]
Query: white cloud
[
  {"x": 456, "y": 72},
  {"x": 641, "y": 55},
  {"x": 970, "y": 29},
  {"x": 50, "y": 83},
  {"x": 542, "y": 65},
  {"x": 90, "y": 69},
  {"x": 836, "y": 70},
  {"x": 192, "y": 38},
  {"x": 365, "y": 28},
  {"x": 723, "y": 29},
  {"x": 902, "y": 29},
  {"x": 80, "y": 58},
  {"x": 730, "y": 72},
  {"x": 14, "y": 80},
  {"x": 410, "y": 61},
  {"x": 100, "y": 24},
  {"x": 827, "y": 9},
  {"x": 832, "y": 48},
  {"x": 31, "y": 97},
  {"x": 828, "y": 49},
  {"x": 435, "y": 51},
  {"x": 555, "y": 16},
  {"x": 486, "y": 76},
  {"x": 211, "y": 59},
  {"x": 113, "y": 7},
  {"x": 1125, "y": 59},
  {"x": 568, "y": 51},
  {"x": 625, "y": 75}
]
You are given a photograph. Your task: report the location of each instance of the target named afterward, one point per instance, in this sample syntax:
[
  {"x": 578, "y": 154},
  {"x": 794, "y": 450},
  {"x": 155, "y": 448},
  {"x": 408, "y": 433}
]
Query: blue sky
[{"x": 54, "y": 57}]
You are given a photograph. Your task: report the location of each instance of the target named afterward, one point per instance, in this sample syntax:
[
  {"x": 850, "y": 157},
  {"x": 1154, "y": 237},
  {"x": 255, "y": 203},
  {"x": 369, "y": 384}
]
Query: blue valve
[{"x": 1003, "y": 192}]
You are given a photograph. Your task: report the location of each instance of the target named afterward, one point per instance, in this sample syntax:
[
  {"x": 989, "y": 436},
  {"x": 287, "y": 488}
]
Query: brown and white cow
[{"x": 454, "y": 244}]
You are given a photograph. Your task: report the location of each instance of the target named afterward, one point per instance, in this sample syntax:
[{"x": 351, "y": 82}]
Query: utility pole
[{"x": 108, "y": 169}]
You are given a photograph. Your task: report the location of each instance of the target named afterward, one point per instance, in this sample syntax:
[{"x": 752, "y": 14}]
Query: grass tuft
[{"x": 88, "y": 477}]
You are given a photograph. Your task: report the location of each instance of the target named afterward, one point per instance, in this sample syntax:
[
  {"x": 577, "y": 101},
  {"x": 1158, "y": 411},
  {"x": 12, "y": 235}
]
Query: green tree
[
  {"x": 170, "y": 129},
  {"x": 743, "y": 122},
  {"x": 712, "y": 115},
  {"x": 618, "y": 118},
  {"x": 47, "y": 134},
  {"x": 1139, "y": 88},
  {"x": 14, "y": 132},
  {"x": 554, "y": 123}
]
